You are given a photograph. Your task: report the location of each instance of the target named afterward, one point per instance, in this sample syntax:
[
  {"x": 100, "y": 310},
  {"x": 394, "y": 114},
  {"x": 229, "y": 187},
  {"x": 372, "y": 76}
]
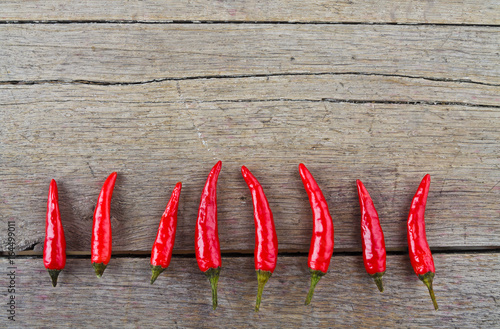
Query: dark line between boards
[
  {"x": 256, "y": 22},
  {"x": 250, "y": 253}
]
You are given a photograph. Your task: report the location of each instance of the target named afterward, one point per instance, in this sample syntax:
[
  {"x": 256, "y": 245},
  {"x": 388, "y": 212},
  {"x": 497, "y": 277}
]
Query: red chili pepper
[
  {"x": 321, "y": 249},
  {"x": 101, "y": 230},
  {"x": 372, "y": 237},
  {"x": 165, "y": 238},
  {"x": 207, "y": 245},
  {"x": 54, "y": 251},
  {"x": 420, "y": 253},
  {"x": 266, "y": 241}
]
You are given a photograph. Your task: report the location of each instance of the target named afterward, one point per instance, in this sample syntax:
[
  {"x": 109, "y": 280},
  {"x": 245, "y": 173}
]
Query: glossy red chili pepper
[
  {"x": 207, "y": 245},
  {"x": 266, "y": 240},
  {"x": 372, "y": 237},
  {"x": 321, "y": 249},
  {"x": 420, "y": 253},
  {"x": 165, "y": 238},
  {"x": 101, "y": 230},
  {"x": 54, "y": 251}
]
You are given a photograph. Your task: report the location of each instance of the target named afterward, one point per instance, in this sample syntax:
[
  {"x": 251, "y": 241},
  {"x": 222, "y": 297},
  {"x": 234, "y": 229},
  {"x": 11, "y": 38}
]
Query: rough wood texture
[
  {"x": 369, "y": 11},
  {"x": 143, "y": 88},
  {"x": 466, "y": 287},
  {"x": 138, "y": 52},
  {"x": 308, "y": 87},
  {"x": 158, "y": 133}
]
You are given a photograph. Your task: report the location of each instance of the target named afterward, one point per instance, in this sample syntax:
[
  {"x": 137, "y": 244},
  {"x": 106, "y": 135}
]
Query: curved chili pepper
[
  {"x": 101, "y": 230},
  {"x": 420, "y": 253},
  {"x": 321, "y": 249},
  {"x": 266, "y": 240},
  {"x": 207, "y": 245},
  {"x": 165, "y": 238},
  {"x": 372, "y": 237},
  {"x": 54, "y": 250}
]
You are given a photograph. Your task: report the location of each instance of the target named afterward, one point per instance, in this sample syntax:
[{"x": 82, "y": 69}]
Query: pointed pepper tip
[
  {"x": 53, "y": 276},
  {"x": 427, "y": 279},
  {"x": 99, "y": 269},
  {"x": 155, "y": 272},
  {"x": 262, "y": 278}
]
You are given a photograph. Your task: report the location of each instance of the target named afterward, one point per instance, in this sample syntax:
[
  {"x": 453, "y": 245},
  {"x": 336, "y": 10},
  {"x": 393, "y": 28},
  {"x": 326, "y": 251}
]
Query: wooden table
[{"x": 382, "y": 91}]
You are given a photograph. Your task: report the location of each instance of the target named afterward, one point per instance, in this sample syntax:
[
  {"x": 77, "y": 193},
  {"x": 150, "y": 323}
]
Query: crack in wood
[
  {"x": 319, "y": 100},
  {"x": 31, "y": 246},
  {"x": 237, "y": 76},
  {"x": 354, "y": 101}
]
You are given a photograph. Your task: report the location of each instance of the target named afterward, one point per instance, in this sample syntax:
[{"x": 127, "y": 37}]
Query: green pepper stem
[
  {"x": 315, "y": 277},
  {"x": 378, "y": 280},
  {"x": 53, "y": 276},
  {"x": 213, "y": 276},
  {"x": 262, "y": 278},
  {"x": 156, "y": 271},
  {"x": 99, "y": 268},
  {"x": 427, "y": 279}
]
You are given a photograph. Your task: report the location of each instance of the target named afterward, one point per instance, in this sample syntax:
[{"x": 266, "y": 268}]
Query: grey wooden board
[
  {"x": 143, "y": 52},
  {"x": 307, "y": 87},
  {"x": 78, "y": 134},
  {"x": 466, "y": 286},
  {"x": 369, "y": 11}
]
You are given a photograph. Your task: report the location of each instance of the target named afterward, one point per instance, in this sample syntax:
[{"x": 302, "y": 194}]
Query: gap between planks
[
  {"x": 446, "y": 12},
  {"x": 250, "y": 253},
  {"x": 199, "y": 22}
]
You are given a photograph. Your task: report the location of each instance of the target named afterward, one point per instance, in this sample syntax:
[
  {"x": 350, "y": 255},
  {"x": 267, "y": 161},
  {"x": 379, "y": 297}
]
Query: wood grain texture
[
  {"x": 78, "y": 134},
  {"x": 466, "y": 287},
  {"x": 368, "y": 11},
  {"x": 382, "y": 91},
  {"x": 307, "y": 87},
  {"x": 138, "y": 52}
]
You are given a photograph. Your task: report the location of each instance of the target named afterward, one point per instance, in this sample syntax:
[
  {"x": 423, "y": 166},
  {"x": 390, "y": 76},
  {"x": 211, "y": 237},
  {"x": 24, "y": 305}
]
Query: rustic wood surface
[
  {"x": 466, "y": 287},
  {"x": 355, "y": 11},
  {"x": 384, "y": 91},
  {"x": 144, "y": 52},
  {"x": 389, "y": 146}
]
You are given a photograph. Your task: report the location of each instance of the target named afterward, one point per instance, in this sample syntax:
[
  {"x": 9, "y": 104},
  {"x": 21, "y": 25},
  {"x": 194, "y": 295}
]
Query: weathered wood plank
[
  {"x": 368, "y": 11},
  {"x": 135, "y": 52},
  {"x": 78, "y": 134},
  {"x": 311, "y": 87},
  {"x": 466, "y": 287}
]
